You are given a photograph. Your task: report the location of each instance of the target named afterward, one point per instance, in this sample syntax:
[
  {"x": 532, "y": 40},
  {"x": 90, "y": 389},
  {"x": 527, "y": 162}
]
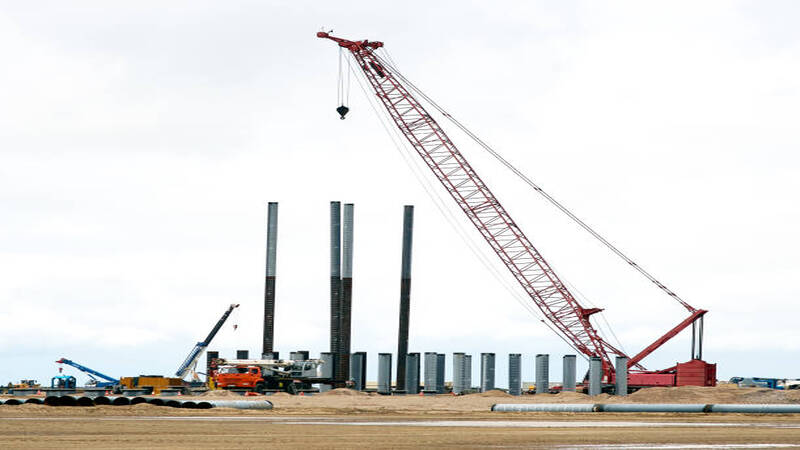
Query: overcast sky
[{"x": 140, "y": 142}]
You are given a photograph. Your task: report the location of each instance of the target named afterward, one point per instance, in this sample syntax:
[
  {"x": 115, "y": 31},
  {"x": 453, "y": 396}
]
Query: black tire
[
  {"x": 292, "y": 388},
  {"x": 259, "y": 388}
]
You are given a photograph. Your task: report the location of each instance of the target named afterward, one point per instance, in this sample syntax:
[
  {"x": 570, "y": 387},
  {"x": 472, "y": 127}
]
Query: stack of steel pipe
[{"x": 75, "y": 400}]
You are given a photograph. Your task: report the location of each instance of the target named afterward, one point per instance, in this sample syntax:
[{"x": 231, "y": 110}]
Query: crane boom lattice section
[{"x": 482, "y": 208}]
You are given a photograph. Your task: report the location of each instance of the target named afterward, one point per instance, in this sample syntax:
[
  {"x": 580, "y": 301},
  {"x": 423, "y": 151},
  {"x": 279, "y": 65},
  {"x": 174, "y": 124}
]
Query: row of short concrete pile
[{"x": 72, "y": 400}]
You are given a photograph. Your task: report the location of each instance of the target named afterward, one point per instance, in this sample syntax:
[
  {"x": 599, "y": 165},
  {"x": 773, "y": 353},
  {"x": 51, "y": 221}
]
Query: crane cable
[
  {"x": 343, "y": 81},
  {"x": 535, "y": 187}
]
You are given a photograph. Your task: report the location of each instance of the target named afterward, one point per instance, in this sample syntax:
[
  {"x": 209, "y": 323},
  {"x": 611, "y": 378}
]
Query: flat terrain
[{"x": 346, "y": 419}]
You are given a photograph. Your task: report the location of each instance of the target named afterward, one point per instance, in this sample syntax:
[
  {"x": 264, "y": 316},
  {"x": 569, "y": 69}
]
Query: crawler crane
[{"x": 535, "y": 276}]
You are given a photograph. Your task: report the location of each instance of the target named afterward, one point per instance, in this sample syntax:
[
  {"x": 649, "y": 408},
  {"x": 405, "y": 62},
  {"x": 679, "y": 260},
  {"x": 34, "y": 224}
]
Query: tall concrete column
[
  {"x": 347, "y": 292},
  {"x": 405, "y": 294},
  {"x": 336, "y": 281},
  {"x": 269, "y": 287}
]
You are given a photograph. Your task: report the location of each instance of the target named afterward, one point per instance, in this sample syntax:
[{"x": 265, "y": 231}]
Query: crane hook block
[{"x": 342, "y": 110}]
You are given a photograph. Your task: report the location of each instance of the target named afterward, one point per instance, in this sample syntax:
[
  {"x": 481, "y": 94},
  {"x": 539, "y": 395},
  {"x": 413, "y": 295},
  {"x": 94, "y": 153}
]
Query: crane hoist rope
[
  {"x": 493, "y": 222},
  {"x": 486, "y": 147}
]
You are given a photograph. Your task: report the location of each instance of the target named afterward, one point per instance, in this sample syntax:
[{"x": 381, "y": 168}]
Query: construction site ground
[{"x": 348, "y": 419}]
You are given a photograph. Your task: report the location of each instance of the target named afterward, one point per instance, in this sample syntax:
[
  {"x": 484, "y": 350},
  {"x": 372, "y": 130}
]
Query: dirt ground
[{"x": 348, "y": 419}]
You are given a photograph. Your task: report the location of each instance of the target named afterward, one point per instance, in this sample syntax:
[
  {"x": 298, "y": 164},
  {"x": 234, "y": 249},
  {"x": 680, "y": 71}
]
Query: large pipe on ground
[
  {"x": 241, "y": 404},
  {"x": 102, "y": 401},
  {"x": 405, "y": 294},
  {"x": 544, "y": 407},
  {"x": 35, "y": 401},
  {"x": 67, "y": 400},
  {"x": 336, "y": 281},
  {"x": 120, "y": 401},
  {"x": 85, "y": 401},
  {"x": 755, "y": 409},
  {"x": 653, "y": 407},
  {"x": 269, "y": 286},
  {"x": 650, "y": 408},
  {"x": 347, "y": 293}
]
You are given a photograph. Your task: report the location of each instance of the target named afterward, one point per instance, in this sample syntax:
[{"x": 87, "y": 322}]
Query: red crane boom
[{"x": 489, "y": 217}]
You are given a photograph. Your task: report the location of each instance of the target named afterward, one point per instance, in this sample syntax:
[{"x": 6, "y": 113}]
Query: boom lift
[
  {"x": 93, "y": 374},
  {"x": 190, "y": 362},
  {"x": 536, "y": 277}
]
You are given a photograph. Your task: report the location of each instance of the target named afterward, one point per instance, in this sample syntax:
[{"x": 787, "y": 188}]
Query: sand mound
[
  {"x": 343, "y": 392},
  {"x": 281, "y": 394},
  {"x": 494, "y": 393},
  {"x": 219, "y": 393},
  {"x": 724, "y": 393},
  {"x": 669, "y": 395},
  {"x": 570, "y": 397}
]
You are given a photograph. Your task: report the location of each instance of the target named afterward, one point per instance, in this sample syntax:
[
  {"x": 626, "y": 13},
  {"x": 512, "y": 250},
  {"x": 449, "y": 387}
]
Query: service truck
[{"x": 262, "y": 375}]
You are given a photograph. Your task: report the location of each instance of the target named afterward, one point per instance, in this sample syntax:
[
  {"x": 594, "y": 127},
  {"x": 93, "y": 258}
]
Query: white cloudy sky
[{"x": 140, "y": 142}]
